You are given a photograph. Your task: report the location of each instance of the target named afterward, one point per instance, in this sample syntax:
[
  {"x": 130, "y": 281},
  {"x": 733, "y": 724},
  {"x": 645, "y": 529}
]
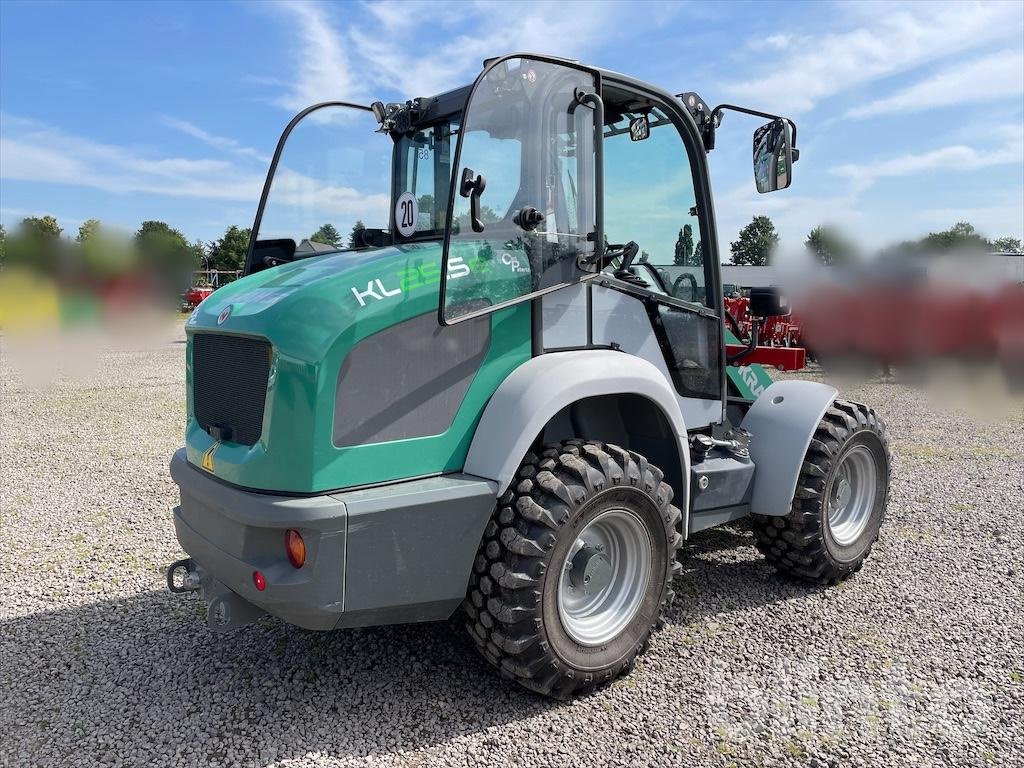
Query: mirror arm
[
  {"x": 755, "y": 325},
  {"x": 716, "y": 119}
]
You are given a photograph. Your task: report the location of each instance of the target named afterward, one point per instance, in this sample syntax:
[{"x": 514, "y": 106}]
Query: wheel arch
[
  {"x": 781, "y": 423},
  {"x": 557, "y": 395}
]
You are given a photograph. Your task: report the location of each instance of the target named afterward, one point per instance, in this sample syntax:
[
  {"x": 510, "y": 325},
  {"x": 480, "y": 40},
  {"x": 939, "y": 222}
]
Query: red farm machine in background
[
  {"x": 906, "y": 311},
  {"x": 778, "y": 338},
  {"x": 204, "y": 283}
]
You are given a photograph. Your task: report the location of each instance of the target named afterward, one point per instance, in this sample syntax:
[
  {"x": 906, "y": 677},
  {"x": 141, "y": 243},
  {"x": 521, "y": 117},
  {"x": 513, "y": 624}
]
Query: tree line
[
  {"x": 754, "y": 245},
  {"x": 757, "y": 241},
  {"x": 226, "y": 253}
]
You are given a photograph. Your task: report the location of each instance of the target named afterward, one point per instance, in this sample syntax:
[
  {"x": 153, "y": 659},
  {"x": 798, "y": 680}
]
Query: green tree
[
  {"x": 228, "y": 252},
  {"x": 89, "y": 229},
  {"x": 354, "y": 237},
  {"x": 3, "y": 245},
  {"x": 684, "y": 247},
  {"x": 1007, "y": 245},
  {"x": 41, "y": 227},
  {"x": 961, "y": 235},
  {"x": 164, "y": 252},
  {"x": 756, "y": 242},
  {"x": 327, "y": 235},
  {"x": 159, "y": 235},
  {"x": 425, "y": 204},
  {"x": 829, "y": 246}
]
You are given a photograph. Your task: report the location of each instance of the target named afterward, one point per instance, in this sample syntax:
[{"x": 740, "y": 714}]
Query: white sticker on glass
[{"x": 406, "y": 214}]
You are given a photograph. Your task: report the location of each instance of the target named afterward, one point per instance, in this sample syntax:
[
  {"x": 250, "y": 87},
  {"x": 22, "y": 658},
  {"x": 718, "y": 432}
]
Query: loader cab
[
  {"x": 587, "y": 194},
  {"x": 581, "y": 191}
]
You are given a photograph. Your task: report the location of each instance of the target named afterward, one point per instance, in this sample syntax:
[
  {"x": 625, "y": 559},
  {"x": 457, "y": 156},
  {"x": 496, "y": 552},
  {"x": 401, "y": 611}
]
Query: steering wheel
[{"x": 693, "y": 286}]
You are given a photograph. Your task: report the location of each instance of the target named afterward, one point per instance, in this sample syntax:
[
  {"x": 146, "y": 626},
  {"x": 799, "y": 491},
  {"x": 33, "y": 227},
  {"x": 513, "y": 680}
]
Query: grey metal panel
[
  {"x": 249, "y": 508},
  {"x": 230, "y": 533},
  {"x": 408, "y": 380},
  {"x": 699, "y": 412},
  {"x": 412, "y": 544},
  {"x": 751, "y": 276},
  {"x": 781, "y": 423},
  {"x": 565, "y": 317},
  {"x": 729, "y": 482},
  {"x": 540, "y": 388},
  {"x": 709, "y": 518},
  {"x": 622, "y": 319},
  {"x": 393, "y": 553}
]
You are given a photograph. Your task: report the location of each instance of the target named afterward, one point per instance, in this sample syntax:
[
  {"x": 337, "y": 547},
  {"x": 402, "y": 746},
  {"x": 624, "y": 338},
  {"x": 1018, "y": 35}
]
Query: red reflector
[
  {"x": 259, "y": 580},
  {"x": 295, "y": 547}
]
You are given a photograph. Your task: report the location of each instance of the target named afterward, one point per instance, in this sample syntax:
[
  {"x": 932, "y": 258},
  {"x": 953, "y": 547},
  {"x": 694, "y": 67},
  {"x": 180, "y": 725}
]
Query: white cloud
[
  {"x": 399, "y": 63},
  {"x": 324, "y": 71},
  {"x": 400, "y": 15},
  {"x": 887, "y": 42},
  {"x": 1005, "y": 216},
  {"x": 777, "y": 42},
  {"x": 388, "y": 52},
  {"x": 217, "y": 142},
  {"x": 36, "y": 152},
  {"x": 956, "y": 158},
  {"x": 992, "y": 77},
  {"x": 13, "y": 216},
  {"x": 795, "y": 214}
]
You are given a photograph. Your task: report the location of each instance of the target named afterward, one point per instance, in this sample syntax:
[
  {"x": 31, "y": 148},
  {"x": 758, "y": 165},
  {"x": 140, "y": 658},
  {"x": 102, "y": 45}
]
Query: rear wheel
[
  {"x": 840, "y": 499},
  {"x": 574, "y": 568}
]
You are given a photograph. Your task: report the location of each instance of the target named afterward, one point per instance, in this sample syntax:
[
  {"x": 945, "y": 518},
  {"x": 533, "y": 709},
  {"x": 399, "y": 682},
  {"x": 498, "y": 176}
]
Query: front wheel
[
  {"x": 840, "y": 500},
  {"x": 575, "y": 568}
]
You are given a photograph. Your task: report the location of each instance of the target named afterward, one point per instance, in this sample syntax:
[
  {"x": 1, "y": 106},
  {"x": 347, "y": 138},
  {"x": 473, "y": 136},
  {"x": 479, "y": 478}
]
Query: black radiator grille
[{"x": 229, "y": 384}]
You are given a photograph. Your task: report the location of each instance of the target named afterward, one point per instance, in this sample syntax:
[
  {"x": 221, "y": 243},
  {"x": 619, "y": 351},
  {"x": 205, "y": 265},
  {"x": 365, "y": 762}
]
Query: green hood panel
[{"x": 313, "y": 312}]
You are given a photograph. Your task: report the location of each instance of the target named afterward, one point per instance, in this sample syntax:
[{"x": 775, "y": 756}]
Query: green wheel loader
[{"x": 505, "y": 390}]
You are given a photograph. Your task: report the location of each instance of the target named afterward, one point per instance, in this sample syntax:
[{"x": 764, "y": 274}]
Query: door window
[
  {"x": 650, "y": 199},
  {"x": 523, "y": 208}
]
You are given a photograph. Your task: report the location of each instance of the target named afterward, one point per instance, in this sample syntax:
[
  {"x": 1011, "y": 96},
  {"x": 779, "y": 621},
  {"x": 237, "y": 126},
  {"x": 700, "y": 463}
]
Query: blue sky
[{"x": 910, "y": 117}]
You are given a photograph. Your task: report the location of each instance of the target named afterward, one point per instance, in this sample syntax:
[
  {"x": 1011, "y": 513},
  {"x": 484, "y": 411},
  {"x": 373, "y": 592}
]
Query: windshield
[
  {"x": 423, "y": 176},
  {"x": 332, "y": 181}
]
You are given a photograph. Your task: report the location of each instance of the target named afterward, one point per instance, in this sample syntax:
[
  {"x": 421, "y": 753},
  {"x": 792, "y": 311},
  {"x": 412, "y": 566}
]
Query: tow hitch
[
  {"x": 184, "y": 576},
  {"x": 225, "y": 610}
]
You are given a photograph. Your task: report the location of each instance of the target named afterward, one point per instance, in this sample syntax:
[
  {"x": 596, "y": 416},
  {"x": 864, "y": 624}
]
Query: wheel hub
[
  {"x": 843, "y": 492},
  {"x": 852, "y": 499},
  {"x": 591, "y": 570},
  {"x": 604, "y": 577}
]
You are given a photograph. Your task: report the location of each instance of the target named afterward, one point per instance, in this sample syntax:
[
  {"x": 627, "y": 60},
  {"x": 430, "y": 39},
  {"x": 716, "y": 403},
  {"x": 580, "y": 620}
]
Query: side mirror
[
  {"x": 768, "y": 302},
  {"x": 773, "y": 156},
  {"x": 639, "y": 128}
]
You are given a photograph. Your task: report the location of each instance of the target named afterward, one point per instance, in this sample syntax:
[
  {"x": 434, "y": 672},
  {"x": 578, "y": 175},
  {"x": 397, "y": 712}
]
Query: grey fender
[
  {"x": 781, "y": 423},
  {"x": 541, "y": 387}
]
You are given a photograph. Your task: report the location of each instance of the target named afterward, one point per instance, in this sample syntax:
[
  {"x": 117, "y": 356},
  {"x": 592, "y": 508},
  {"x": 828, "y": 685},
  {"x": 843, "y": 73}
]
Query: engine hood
[{"x": 305, "y": 306}]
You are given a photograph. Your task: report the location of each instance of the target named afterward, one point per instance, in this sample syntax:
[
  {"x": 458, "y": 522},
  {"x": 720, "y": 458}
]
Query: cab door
[{"x": 523, "y": 219}]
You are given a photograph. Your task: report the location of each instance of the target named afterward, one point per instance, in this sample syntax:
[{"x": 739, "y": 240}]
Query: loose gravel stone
[{"x": 918, "y": 659}]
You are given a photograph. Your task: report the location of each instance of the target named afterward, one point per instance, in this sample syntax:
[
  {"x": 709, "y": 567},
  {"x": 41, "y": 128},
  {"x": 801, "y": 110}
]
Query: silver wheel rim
[
  {"x": 852, "y": 495},
  {"x": 604, "y": 577}
]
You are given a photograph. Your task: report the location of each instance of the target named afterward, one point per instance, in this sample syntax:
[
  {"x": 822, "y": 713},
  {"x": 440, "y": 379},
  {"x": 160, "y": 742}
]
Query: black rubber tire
[
  {"x": 511, "y": 608},
  {"x": 801, "y": 543}
]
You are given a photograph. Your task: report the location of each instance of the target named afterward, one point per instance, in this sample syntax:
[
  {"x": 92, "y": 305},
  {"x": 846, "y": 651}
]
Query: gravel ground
[{"x": 916, "y": 660}]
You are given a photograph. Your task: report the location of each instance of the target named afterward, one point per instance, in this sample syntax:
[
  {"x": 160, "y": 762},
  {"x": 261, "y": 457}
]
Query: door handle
[{"x": 472, "y": 186}]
